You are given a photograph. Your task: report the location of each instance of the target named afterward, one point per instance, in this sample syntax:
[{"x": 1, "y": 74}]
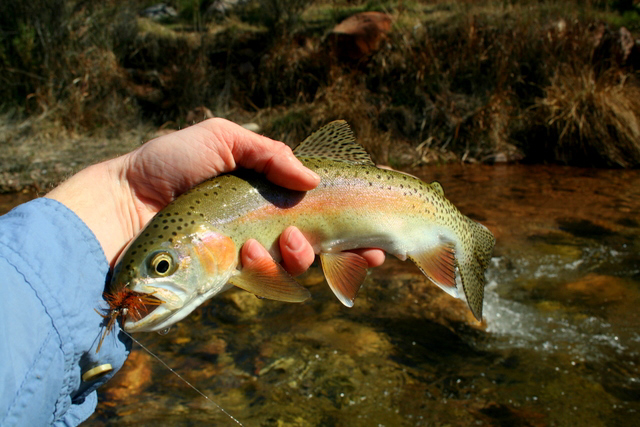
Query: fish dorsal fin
[
  {"x": 345, "y": 272},
  {"x": 437, "y": 187},
  {"x": 439, "y": 265},
  {"x": 334, "y": 141},
  {"x": 265, "y": 278}
]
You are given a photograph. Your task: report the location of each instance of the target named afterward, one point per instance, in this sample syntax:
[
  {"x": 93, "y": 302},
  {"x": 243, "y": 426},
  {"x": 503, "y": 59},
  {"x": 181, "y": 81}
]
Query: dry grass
[
  {"x": 455, "y": 80},
  {"x": 595, "y": 117}
]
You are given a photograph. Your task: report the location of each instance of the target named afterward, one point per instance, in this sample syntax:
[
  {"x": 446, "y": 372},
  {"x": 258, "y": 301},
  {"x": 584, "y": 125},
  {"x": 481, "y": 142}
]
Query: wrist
[{"x": 102, "y": 200}]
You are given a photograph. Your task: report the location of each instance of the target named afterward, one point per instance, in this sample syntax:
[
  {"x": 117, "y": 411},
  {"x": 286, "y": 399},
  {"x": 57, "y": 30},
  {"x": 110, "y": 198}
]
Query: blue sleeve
[{"x": 52, "y": 276}]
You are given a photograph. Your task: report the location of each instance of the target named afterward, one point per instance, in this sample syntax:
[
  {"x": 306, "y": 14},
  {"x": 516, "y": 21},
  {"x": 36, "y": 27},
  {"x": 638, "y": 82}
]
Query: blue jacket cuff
[{"x": 55, "y": 272}]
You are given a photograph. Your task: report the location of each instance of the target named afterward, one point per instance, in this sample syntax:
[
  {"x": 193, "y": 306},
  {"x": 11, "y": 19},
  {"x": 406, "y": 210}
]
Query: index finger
[{"x": 273, "y": 158}]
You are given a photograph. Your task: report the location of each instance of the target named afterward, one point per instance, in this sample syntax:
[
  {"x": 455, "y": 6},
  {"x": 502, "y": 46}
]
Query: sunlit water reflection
[{"x": 560, "y": 342}]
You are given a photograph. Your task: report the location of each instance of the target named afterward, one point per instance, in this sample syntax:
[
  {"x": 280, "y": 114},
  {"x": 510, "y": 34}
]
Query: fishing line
[{"x": 182, "y": 378}]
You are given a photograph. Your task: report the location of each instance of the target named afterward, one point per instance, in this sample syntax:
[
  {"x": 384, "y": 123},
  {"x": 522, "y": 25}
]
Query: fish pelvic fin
[
  {"x": 473, "y": 267},
  {"x": 334, "y": 141},
  {"x": 266, "y": 278},
  {"x": 345, "y": 272},
  {"x": 439, "y": 265}
]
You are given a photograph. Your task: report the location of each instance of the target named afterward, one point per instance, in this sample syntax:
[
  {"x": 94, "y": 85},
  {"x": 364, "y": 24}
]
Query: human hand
[{"x": 118, "y": 197}]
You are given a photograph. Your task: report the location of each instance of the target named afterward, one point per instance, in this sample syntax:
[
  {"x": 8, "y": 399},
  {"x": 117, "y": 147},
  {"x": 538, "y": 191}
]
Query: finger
[
  {"x": 375, "y": 257},
  {"x": 251, "y": 251},
  {"x": 297, "y": 253},
  {"x": 262, "y": 154}
]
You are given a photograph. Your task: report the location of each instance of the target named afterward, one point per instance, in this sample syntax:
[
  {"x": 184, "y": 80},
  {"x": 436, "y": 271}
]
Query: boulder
[
  {"x": 198, "y": 114},
  {"x": 359, "y": 36},
  {"x": 617, "y": 47},
  {"x": 159, "y": 12}
]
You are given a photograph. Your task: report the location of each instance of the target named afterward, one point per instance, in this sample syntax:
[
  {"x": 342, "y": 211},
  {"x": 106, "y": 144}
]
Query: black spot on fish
[
  {"x": 206, "y": 194},
  {"x": 166, "y": 227}
]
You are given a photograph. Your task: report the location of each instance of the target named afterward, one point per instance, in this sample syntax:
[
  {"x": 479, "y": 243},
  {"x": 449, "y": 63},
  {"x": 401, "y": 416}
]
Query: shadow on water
[{"x": 559, "y": 344}]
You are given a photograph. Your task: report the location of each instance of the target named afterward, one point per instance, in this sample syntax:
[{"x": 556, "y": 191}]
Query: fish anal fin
[
  {"x": 266, "y": 278},
  {"x": 345, "y": 272},
  {"x": 334, "y": 141},
  {"x": 439, "y": 265}
]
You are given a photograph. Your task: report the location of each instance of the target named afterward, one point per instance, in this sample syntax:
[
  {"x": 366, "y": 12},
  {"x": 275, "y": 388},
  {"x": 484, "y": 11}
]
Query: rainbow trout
[{"x": 189, "y": 252}]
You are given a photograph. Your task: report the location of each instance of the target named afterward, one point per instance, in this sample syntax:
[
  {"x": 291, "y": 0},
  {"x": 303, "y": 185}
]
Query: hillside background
[{"x": 445, "y": 81}]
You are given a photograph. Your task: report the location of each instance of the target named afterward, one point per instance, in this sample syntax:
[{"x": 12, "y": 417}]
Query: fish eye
[{"x": 162, "y": 264}]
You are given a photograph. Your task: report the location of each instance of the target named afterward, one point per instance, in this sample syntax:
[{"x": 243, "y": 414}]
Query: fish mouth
[
  {"x": 165, "y": 307},
  {"x": 143, "y": 304},
  {"x": 156, "y": 320},
  {"x": 154, "y": 315},
  {"x": 175, "y": 304}
]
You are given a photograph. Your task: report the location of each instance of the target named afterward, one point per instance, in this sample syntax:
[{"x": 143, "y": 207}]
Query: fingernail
[
  {"x": 311, "y": 174},
  {"x": 295, "y": 240}
]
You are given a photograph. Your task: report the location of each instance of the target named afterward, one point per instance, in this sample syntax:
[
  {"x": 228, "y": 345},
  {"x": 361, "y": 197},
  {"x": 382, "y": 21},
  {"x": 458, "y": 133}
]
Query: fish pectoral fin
[
  {"x": 439, "y": 265},
  {"x": 345, "y": 272},
  {"x": 266, "y": 278}
]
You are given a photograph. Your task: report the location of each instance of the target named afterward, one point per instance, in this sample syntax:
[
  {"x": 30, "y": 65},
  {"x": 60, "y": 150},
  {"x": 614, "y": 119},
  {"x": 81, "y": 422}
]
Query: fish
[{"x": 190, "y": 250}]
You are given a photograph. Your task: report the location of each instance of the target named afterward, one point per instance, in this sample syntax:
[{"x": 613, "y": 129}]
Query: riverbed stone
[
  {"x": 597, "y": 289},
  {"x": 131, "y": 380}
]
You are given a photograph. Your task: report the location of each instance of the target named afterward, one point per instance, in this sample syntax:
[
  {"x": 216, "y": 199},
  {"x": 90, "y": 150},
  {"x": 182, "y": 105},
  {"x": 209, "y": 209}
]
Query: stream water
[{"x": 559, "y": 344}]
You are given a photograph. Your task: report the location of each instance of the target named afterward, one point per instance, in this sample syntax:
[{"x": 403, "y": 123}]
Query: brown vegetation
[{"x": 475, "y": 81}]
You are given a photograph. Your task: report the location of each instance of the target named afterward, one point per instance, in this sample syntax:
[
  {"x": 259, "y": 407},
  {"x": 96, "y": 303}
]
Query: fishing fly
[{"x": 125, "y": 303}]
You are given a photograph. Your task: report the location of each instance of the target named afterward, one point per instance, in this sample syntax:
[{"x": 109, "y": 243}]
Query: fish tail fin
[{"x": 473, "y": 266}]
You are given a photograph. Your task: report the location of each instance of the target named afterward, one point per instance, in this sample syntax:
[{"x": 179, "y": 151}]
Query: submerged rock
[
  {"x": 597, "y": 289},
  {"x": 131, "y": 380}
]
